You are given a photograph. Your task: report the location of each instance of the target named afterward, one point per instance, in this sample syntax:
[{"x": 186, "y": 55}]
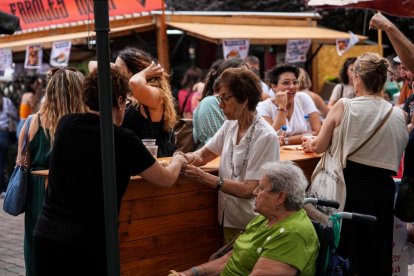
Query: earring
[{"x": 277, "y": 207}]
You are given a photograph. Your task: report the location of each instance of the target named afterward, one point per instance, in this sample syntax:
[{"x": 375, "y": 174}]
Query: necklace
[{"x": 246, "y": 153}]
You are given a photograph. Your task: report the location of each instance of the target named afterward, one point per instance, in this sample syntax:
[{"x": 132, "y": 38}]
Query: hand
[
  {"x": 92, "y": 65},
  {"x": 193, "y": 172},
  {"x": 152, "y": 71},
  {"x": 378, "y": 21},
  {"x": 280, "y": 99},
  {"x": 181, "y": 158}
]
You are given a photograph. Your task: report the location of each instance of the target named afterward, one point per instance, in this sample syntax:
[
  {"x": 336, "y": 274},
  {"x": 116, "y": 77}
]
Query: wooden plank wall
[{"x": 162, "y": 229}]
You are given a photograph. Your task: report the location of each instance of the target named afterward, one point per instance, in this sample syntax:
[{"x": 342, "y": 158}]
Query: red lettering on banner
[{"x": 38, "y": 13}]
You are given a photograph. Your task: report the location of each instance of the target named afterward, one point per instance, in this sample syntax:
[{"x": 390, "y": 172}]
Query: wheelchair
[{"x": 329, "y": 263}]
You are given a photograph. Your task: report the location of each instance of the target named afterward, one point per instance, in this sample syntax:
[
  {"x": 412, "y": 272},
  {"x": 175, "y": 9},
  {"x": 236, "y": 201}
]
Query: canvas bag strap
[{"x": 376, "y": 130}]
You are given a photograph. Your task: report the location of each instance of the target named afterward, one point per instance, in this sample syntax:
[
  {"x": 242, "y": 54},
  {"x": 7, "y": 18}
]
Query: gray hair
[{"x": 285, "y": 176}]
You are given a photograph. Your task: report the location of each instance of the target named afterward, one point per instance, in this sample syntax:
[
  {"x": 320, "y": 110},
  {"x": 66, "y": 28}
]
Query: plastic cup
[
  {"x": 148, "y": 142},
  {"x": 153, "y": 149}
]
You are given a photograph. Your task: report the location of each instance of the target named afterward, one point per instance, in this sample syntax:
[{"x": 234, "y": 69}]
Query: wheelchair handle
[
  {"x": 321, "y": 202},
  {"x": 359, "y": 217}
]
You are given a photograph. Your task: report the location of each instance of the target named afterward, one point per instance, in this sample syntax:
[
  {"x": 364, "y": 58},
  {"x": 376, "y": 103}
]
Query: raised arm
[
  {"x": 148, "y": 95},
  {"x": 402, "y": 45}
]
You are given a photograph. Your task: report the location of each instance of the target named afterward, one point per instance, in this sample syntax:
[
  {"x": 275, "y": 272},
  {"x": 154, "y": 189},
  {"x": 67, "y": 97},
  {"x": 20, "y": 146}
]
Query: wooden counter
[{"x": 174, "y": 228}]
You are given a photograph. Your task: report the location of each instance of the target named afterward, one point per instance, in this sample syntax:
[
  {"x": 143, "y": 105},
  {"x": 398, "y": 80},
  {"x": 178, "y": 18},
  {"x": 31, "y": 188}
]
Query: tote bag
[
  {"x": 327, "y": 182},
  {"x": 16, "y": 193}
]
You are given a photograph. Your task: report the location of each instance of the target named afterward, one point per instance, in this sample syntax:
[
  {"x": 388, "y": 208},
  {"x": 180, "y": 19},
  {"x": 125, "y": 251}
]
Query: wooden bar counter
[{"x": 176, "y": 228}]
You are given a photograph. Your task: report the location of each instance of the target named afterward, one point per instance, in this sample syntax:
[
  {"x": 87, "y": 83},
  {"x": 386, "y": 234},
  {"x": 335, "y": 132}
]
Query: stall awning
[
  {"x": 76, "y": 38},
  {"x": 259, "y": 34}
]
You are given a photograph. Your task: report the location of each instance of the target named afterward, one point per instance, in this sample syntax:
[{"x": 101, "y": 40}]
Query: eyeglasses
[
  {"x": 223, "y": 99},
  {"x": 55, "y": 70},
  {"x": 288, "y": 83},
  {"x": 392, "y": 74}
]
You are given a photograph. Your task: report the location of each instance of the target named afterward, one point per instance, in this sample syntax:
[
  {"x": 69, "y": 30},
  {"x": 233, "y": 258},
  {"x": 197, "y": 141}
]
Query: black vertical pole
[{"x": 107, "y": 136}]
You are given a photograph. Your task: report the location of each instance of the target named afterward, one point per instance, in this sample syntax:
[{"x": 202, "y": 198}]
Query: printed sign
[
  {"x": 296, "y": 50},
  {"x": 60, "y": 54},
  {"x": 6, "y": 58},
  {"x": 235, "y": 48},
  {"x": 34, "y": 55},
  {"x": 343, "y": 45},
  {"x": 39, "y": 13}
]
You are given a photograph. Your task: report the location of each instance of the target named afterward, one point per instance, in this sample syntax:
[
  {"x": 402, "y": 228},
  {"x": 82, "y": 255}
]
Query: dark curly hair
[
  {"x": 215, "y": 71},
  {"x": 343, "y": 74},
  {"x": 243, "y": 84},
  {"x": 120, "y": 88},
  {"x": 276, "y": 71}
]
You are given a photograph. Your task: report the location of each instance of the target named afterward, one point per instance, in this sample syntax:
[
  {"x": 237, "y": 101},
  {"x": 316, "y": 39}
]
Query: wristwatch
[{"x": 286, "y": 141}]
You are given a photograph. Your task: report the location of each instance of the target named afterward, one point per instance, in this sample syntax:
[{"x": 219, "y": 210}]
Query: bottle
[
  {"x": 281, "y": 131},
  {"x": 308, "y": 126}
]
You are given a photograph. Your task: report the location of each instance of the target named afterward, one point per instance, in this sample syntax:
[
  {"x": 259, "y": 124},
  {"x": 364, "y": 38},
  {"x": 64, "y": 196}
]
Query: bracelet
[
  {"x": 220, "y": 182},
  {"x": 194, "y": 270},
  {"x": 281, "y": 109}
]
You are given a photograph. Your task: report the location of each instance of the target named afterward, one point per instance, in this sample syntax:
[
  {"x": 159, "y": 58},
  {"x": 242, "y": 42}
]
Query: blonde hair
[
  {"x": 372, "y": 69},
  {"x": 304, "y": 80},
  {"x": 137, "y": 60},
  {"x": 63, "y": 96}
]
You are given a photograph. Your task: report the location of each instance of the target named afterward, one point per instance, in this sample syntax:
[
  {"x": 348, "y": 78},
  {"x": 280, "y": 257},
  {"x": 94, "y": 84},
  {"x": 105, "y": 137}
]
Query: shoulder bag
[
  {"x": 327, "y": 181},
  {"x": 16, "y": 193}
]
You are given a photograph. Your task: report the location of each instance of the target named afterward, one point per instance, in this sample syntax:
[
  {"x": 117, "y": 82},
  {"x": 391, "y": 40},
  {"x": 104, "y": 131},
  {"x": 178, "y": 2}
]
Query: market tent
[{"x": 259, "y": 34}]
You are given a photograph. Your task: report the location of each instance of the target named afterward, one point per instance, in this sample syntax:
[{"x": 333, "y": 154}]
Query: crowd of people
[{"x": 236, "y": 116}]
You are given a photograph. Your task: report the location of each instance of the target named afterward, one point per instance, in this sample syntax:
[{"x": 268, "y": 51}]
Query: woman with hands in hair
[{"x": 150, "y": 109}]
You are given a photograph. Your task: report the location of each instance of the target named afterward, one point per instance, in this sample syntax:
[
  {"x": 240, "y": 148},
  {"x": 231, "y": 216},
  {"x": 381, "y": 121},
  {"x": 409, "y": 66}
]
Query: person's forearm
[
  {"x": 280, "y": 119},
  {"x": 173, "y": 169},
  {"x": 234, "y": 188},
  {"x": 210, "y": 268},
  {"x": 402, "y": 45}
]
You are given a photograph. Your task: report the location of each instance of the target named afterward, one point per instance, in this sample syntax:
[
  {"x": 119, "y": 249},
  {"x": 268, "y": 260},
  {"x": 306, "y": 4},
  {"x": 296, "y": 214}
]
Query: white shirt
[
  {"x": 303, "y": 105},
  {"x": 264, "y": 147}
]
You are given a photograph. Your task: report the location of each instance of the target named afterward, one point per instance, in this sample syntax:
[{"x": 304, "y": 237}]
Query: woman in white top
[
  {"x": 244, "y": 143},
  {"x": 289, "y": 107},
  {"x": 367, "y": 173},
  {"x": 344, "y": 89}
]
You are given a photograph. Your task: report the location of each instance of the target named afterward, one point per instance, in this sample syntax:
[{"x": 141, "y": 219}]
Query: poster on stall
[
  {"x": 60, "y": 54},
  {"x": 34, "y": 55},
  {"x": 296, "y": 50},
  {"x": 344, "y": 44},
  {"x": 235, "y": 48},
  {"x": 6, "y": 59}
]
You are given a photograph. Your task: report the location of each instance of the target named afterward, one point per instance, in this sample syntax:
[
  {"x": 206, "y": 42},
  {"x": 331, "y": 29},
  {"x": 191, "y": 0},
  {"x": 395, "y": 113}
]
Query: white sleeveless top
[{"x": 362, "y": 115}]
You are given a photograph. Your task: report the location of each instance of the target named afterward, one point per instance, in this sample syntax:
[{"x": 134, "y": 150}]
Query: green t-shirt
[{"x": 292, "y": 241}]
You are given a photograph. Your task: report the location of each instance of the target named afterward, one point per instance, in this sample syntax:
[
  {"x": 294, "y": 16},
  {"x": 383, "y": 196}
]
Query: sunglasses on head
[{"x": 55, "y": 70}]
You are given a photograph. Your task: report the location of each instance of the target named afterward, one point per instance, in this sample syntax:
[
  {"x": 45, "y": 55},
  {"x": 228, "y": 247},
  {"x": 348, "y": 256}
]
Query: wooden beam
[
  {"x": 162, "y": 41},
  {"x": 242, "y": 20}
]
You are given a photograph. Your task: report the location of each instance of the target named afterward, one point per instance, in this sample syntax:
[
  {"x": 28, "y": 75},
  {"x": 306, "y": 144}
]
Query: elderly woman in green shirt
[{"x": 281, "y": 240}]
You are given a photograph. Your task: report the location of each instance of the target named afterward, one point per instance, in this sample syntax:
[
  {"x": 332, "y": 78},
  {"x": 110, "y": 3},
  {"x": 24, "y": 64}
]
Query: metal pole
[{"x": 107, "y": 137}]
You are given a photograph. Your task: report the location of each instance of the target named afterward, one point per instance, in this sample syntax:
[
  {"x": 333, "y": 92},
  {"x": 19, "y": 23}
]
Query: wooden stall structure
[{"x": 175, "y": 228}]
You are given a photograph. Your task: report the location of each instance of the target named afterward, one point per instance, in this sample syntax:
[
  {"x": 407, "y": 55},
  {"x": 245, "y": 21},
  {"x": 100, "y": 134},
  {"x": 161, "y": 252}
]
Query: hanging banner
[
  {"x": 34, "y": 55},
  {"x": 343, "y": 45},
  {"x": 235, "y": 48},
  {"x": 6, "y": 59},
  {"x": 39, "y": 13},
  {"x": 60, "y": 54},
  {"x": 296, "y": 50}
]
